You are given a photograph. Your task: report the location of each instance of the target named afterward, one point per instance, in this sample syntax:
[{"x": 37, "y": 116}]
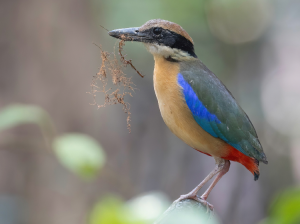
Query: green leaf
[
  {"x": 80, "y": 153},
  {"x": 109, "y": 210},
  {"x": 286, "y": 208},
  {"x": 112, "y": 210},
  {"x": 17, "y": 114}
]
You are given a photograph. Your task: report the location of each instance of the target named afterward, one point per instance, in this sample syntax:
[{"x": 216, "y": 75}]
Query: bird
[{"x": 194, "y": 104}]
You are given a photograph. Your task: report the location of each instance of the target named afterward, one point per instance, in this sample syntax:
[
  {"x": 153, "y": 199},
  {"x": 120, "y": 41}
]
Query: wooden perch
[{"x": 187, "y": 211}]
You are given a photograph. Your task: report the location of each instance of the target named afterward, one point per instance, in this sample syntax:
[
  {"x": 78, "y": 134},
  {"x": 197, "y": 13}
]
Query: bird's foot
[
  {"x": 187, "y": 196},
  {"x": 196, "y": 198}
]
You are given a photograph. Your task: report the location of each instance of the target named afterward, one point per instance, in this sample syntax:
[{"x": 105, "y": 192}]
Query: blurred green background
[{"x": 63, "y": 161}]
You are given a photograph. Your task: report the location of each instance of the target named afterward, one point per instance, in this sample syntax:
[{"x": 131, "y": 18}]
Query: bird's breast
[{"x": 176, "y": 113}]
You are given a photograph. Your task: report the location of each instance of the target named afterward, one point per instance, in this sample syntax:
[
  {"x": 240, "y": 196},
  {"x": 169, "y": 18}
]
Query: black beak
[{"x": 128, "y": 34}]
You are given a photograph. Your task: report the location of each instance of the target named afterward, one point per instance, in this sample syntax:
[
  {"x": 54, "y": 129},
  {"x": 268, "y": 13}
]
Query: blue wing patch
[
  {"x": 200, "y": 113},
  {"x": 208, "y": 121}
]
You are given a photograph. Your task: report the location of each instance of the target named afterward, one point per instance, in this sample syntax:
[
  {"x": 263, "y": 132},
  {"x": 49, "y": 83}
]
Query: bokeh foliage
[
  {"x": 84, "y": 156},
  {"x": 145, "y": 209},
  {"x": 80, "y": 153},
  {"x": 285, "y": 208}
]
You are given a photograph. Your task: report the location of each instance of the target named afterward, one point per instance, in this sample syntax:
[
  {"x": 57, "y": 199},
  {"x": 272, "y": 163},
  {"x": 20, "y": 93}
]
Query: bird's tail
[{"x": 250, "y": 163}]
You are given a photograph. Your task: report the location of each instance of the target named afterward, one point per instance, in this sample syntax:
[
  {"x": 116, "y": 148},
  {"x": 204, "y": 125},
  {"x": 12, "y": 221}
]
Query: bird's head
[{"x": 161, "y": 38}]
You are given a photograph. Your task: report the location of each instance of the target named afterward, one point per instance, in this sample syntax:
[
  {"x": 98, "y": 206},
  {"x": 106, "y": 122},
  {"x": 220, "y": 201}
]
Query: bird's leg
[
  {"x": 193, "y": 194},
  {"x": 223, "y": 171}
]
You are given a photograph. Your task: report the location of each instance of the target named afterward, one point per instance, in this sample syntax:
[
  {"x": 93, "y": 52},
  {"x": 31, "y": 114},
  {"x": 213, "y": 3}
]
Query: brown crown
[{"x": 166, "y": 25}]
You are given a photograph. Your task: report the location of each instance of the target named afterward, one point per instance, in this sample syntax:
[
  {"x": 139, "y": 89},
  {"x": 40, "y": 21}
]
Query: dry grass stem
[{"x": 112, "y": 70}]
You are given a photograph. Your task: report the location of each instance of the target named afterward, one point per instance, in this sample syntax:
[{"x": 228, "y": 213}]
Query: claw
[{"x": 209, "y": 206}]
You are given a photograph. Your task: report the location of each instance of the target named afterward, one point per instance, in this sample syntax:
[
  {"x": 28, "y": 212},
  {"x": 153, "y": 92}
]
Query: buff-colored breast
[{"x": 176, "y": 113}]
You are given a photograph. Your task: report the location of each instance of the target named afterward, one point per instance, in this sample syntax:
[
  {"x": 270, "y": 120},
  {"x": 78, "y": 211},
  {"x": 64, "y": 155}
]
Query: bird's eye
[{"x": 157, "y": 30}]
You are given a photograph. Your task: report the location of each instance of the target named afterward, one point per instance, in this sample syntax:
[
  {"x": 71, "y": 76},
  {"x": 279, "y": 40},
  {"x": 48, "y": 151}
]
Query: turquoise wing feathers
[{"x": 216, "y": 111}]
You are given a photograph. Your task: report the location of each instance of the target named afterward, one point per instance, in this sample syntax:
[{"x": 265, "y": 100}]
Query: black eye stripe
[
  {"x": 157, "y": 30},
  {"x": 169, "y": 38}
]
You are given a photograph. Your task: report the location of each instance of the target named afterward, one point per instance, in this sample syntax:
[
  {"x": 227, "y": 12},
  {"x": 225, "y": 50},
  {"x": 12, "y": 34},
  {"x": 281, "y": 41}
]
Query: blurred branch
[
  {"x": 30, "y": 144},
  {"x": 187, "y": 211}
]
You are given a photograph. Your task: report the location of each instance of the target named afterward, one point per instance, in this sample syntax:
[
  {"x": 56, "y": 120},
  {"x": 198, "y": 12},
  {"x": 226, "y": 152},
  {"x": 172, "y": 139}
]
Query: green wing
[{"x": 216, "y": 110}]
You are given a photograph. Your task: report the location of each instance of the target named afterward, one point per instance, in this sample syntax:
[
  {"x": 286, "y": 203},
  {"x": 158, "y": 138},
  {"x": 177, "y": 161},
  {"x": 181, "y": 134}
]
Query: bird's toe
[
  {"x": 186, "y": 196},
  {"x": 196, "y": 198},
  {"x": 208, "y": 205}
]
